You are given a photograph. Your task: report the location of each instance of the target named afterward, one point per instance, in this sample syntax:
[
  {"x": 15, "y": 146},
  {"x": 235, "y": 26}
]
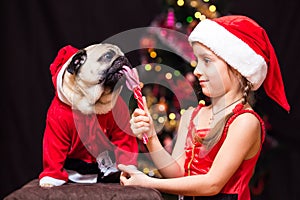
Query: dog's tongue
[{"x": 132, "y": 78}]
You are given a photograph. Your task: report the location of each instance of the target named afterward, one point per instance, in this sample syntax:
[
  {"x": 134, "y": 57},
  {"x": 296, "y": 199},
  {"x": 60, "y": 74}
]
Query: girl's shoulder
[
  {"x": 247, "y": 120},
  {"x": 247, "y": 115}
]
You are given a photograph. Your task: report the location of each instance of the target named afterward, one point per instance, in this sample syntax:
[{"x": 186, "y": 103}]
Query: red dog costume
[{"x": 84, "y": 148}]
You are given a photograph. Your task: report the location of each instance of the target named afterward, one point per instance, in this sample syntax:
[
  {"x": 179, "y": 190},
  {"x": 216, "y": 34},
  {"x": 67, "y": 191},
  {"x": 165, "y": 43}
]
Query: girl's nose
[{"x": 197, "y": 71}]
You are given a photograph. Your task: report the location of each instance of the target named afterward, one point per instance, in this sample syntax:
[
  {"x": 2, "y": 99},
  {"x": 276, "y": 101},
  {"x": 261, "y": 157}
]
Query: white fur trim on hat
[{"x": 232, "y": 49}]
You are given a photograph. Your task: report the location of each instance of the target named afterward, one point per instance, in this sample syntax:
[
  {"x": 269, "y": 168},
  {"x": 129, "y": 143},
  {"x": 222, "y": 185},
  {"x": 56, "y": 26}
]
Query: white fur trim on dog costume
[{"x": 50, "y": 180}]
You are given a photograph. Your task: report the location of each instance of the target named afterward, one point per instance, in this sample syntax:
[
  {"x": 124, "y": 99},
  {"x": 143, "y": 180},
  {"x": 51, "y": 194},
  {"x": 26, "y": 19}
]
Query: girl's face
[{"x": 212, "y": 72}]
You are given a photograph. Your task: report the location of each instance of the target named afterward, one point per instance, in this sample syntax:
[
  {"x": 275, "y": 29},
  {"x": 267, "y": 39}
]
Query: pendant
[{"x": 211, "y": 119}]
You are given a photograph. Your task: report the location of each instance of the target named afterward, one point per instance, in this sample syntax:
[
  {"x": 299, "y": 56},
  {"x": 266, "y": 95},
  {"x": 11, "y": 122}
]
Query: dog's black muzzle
[{"x": 114, "y": 74}]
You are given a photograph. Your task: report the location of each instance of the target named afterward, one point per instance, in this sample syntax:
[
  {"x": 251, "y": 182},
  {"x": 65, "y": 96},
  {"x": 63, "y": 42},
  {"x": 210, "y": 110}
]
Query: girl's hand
[
  {"x": 141, "y": 122},
  {"x": 131, "y": 176}
]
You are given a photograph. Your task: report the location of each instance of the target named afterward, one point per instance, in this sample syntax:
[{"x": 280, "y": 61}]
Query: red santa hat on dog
[
  {"x": 245, "y": 46},
  {"x": 62, "y": 57}
]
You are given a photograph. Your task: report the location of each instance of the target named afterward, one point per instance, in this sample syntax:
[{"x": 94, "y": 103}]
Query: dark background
[{"x": 33, "y": 31}]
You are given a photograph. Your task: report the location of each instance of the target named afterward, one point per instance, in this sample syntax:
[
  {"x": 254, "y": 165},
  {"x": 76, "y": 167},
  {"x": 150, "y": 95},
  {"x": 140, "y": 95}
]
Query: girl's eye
[{"x": 206, "y": 60}]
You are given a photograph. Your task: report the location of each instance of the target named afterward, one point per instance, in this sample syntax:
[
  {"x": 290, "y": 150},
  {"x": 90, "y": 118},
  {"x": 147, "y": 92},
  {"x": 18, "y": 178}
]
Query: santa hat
[
  {"x": 245, "y": 46},
  {"x": 62, "y": 57}
]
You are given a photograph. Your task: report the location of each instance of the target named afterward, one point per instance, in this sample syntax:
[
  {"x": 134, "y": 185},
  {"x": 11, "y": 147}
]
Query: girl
[{"x": 217, "y": 145}]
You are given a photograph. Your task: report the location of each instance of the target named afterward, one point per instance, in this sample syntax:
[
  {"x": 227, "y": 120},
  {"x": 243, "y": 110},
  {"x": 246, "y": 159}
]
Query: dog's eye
[{"x": 107, "y": 56}]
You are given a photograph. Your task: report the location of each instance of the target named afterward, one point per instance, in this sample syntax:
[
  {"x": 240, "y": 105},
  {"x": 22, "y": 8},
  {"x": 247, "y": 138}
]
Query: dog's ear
[{"x": 78, "y": 59}]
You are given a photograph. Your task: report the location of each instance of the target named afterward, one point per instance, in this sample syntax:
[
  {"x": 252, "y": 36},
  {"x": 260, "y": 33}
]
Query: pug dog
[{"x": 87, "y": 129}]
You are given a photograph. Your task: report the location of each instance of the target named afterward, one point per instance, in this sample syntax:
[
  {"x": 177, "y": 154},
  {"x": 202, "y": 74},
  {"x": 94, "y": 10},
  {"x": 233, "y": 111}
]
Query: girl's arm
[
  {"x": 169, "y": 166},
  {"x": 243, "y": 141}
]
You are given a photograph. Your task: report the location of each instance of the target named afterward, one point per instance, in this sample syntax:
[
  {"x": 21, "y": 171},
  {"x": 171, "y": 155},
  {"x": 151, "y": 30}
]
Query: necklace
[{"x": 215, "y": 113}]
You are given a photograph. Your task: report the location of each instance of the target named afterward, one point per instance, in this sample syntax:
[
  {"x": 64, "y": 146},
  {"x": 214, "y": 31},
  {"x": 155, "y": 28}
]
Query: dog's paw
[{"x": 46, "y": 185}]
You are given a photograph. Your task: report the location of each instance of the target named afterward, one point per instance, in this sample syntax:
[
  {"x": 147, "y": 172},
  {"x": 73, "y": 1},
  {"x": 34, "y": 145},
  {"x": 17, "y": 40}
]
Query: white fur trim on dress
[{"x": 232, "y": 49}]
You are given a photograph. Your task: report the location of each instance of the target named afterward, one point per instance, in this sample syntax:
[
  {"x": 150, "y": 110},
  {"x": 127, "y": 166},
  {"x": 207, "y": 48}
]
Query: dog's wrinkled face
[{"x": 93, "y": 73}]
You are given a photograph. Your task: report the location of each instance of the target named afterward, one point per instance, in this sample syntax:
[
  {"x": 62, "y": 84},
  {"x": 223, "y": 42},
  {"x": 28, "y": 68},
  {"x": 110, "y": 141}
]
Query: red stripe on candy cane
[{"x": 137, "y": 94}]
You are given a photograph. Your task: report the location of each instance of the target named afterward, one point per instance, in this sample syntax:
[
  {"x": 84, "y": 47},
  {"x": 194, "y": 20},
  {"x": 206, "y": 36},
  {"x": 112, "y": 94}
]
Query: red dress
[{"x": 198, "y": 163}]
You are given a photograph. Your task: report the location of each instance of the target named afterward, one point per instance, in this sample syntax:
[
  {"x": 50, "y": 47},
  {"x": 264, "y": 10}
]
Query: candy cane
[{"x": 133, "y": 84}]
